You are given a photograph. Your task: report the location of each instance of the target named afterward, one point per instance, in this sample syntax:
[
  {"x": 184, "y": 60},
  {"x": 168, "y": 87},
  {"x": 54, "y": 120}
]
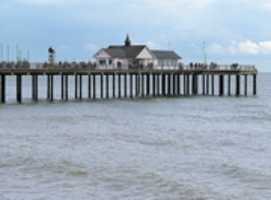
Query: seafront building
[{"x": 129, "y": 56}]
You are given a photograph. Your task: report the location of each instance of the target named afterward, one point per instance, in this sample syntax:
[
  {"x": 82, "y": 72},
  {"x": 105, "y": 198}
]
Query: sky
[{"x": 229, "y": 31}]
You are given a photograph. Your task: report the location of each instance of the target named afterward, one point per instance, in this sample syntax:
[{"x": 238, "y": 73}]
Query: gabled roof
[
  {"x": 130, "y": 52},
  {"x": 166, "y": 55}
]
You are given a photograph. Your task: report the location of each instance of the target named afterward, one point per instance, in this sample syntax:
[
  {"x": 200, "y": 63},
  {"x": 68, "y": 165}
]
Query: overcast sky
[{"x": 233, "y": 30}]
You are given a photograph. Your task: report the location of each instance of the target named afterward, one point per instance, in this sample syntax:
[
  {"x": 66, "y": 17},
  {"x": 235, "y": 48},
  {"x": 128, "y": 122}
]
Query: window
[
  {"x": 102, "y": 62},
  {"x": 110, "y": 62}
]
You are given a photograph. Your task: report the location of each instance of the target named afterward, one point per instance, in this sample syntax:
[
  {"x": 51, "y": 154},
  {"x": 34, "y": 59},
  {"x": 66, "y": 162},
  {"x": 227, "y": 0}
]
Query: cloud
[{"x": 246, "y": 47}]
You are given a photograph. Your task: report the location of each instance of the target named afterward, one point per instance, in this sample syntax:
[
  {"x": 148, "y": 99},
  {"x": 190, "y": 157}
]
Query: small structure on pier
[
  {"x": 51, "y": 56},
  {"x": 129, "y": 56}
]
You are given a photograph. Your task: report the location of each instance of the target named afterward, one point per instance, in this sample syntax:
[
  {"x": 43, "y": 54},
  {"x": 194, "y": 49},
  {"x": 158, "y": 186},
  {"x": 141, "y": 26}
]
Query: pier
[{"x": 138, "y": 83}]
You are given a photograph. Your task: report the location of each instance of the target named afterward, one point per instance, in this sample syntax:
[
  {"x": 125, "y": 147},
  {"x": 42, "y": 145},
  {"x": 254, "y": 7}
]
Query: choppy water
[{"x": 185, "y": 148}]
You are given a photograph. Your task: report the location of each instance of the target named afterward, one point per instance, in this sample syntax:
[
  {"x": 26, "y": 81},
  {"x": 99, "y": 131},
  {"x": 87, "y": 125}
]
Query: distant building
[{"x": 130, "y": 56}]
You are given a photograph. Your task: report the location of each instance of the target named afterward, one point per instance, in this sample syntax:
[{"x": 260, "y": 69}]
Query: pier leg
[
  {"x": 3, "y": 88},
  {"x": 94, "y": 86},
  {"x": 137, "y": 85},
  {"x": 194, "y": 84},
  {"x": 66, "y": 87},
  {"x": 62, "y": 87},
  {"x": 168, "y": 85},
  {"x": 153, "y": 85},
  {"x": 207, "y": 84},
  {"x": 142, "y": 85},
  {"x": 188, "y": 84},
  {"x": 119, "y": 85},
  {"x": 131, "y": 85},
  {"x": 213, "y": 85},
  {"x": 245, "y": 85},
  {"x": 158, "y": 84},
  {"x": 163, "y": 85},
  {"x": 76, "y": 86},
  {"x": 203, "y": 85},
  {"x": 238, "y": 85},
  {"x": 80, "y": 87},
  {"x": 19, "y": 88},
  {"x": 89, "y": 86},
  {"x": 254, "y": 84},
  {"x": 107, "y": 85},
  {"x": 125, "y": 85},
  {"x": 148, "y": 84},
  {"x": 221, "y": 85},
  {"x": 229, "y": 85},
  {"x": 114, "y": 85},
  {"x": 101, "y": 86},
  {"x": 48, "y": 87},
  {"x": 52, "y": 88},
  {"x": 184, "y": 85},
  {"x": 175, "y": 92},
  {"x": 178, "y": 85},
  {"x": 35, "y": 88}
]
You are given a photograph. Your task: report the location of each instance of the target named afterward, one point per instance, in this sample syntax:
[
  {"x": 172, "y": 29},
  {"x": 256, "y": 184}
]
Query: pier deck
[{"x": 134, "y": 83}]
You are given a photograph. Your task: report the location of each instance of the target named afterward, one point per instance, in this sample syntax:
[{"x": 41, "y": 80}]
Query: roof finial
[{"x": 127, "y": 41}]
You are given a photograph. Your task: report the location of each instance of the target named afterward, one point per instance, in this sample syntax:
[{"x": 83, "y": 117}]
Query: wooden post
[
  {"x": 221, "y": 85},
  {"x": 163, "y": 85},
  {"x": 3, "y": 88},
  {"x": 119, "y": 85},
  {"x": 213, "y": 84},
  {"x": 148, "y": 84},
  {"x": 80, "y": 87},
  {"x": 125, "y": 86},
  {"x": 174, "y": 85},
  {"x": 245, "y": 85},
  {"x": 62, "y": 87},
  {"x": 178, "y": 85},
  {"x": 66, "y": 87},
  {"x": 131, "y": 85},
  {"x": 76, "y": 86},
  {"x": 102, "y": 85},
  {"x": 158, "y": 85},
  {"x": 19, "y": 88},
  {"x": 229, "y": 85},
  {"x": 142, "y": 85},
  {"x": 94, "y": 86},
  {"x": 255, "y": 84},
  {"x": 194, "y": 76},
  {"x": 107, "y": 85},
  {"x": 207, "y": 84},
  {"x": 188, "y": 84},
  {"x": 203, "y": 85},
  {"x": 137, "y": 85},
  {"x": 52, "y": 88},
  {"x": 89, "y": 86},
  {"x": 184, "y": 85},
  {"x": 35, "y": 88},
  {"x": 153, "y": 85},
  {"x": 168, "y": 85},
  {"x": 238, "y": 85},
  {"x": 48, "y": 87},
  {"x": 114, "y": 85}
]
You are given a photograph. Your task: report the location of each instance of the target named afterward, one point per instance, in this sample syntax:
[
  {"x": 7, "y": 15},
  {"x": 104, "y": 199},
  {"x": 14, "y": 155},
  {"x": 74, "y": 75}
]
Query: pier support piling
[
  {"x": 238, "y": 85},
  {"x": 3, "y": 88},
  {"x": 19, "y": 88},
  {"x": 229, "y": 85},
  {"x": 221, "y": 85},
  {"x": 245, "y": 86},
  {"x": 254, "y": 84}
]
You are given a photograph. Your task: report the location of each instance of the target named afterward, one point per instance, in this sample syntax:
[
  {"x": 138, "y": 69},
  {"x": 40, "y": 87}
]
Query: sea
[{"x": 185, "y": 148}]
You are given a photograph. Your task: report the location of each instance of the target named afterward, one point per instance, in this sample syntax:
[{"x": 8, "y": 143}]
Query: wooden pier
[{"x": 120, "y": 84}]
